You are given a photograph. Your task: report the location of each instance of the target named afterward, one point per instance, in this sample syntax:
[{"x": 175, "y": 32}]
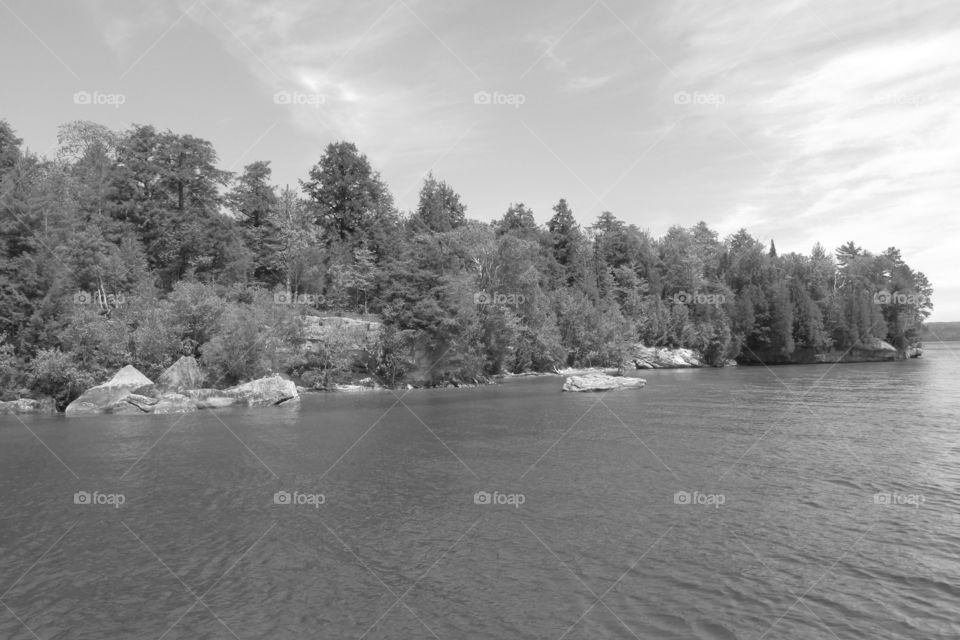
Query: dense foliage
[{"x": 133, "y": 247}]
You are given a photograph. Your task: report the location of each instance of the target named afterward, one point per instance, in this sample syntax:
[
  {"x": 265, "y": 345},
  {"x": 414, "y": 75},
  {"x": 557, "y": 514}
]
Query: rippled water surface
[{"x": 784, "y": 534}]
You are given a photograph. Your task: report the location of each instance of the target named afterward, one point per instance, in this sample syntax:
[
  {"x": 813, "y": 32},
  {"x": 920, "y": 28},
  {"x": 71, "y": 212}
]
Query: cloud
[{"x": 587, "y": 83}]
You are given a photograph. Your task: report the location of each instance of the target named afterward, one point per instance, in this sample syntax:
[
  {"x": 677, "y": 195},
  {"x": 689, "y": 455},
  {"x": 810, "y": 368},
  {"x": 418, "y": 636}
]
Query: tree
[
  {"x": 565, "y": 242},
  {"x": 518, "y": 220},
  {"x": 345, "y": 193},
  {"x": 440, "y": 208},
  {"x": 253, "y": 201}
]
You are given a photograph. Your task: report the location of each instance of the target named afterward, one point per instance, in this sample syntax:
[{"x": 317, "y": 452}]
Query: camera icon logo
[
  {"x": 682, "y": 297},
  {"x": 482, "y": 297},
  {"x": 282, "y": 97},
  {"x": 82, "y": 297},
  {"x": 282, "y": 497},
  {"x": 682, "y": 97},
  {"x": 482, "y": 497},
  {"x": 482, "y": 97},
  {"x": 82, "y": 97},
  {"x": 281, "y": 298},
  {"x": 81, "y": 497},
  {"x": 681, "y": 497},
  {"x": 881, "y": 498},
  {"x": 882, "y": 297}
]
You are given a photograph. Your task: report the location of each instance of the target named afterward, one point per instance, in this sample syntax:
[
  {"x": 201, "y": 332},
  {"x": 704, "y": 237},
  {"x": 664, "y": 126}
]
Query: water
[{"x": 783, "y": 539}]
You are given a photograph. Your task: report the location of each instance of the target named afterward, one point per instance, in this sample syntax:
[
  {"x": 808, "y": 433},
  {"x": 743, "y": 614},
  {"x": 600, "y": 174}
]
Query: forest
[{"x": 133, "y": 247}]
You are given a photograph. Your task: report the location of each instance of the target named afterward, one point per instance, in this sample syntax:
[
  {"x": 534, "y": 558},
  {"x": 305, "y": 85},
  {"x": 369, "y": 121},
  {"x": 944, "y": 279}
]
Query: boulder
[
  {"x": 601, "y": 382},
  {"x": 264, "y": 392},
  {"x": 183, "y": 374},
  {"x": 28, "y": 405},
  {"x": 109, "y": 397}
]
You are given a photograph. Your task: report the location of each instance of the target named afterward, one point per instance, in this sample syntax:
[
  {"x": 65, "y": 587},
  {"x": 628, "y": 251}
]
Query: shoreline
[{"x": 646, "y": 359}]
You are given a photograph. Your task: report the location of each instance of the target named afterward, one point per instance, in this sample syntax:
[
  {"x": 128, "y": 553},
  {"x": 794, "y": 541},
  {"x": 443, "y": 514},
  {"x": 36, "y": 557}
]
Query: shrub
[
  {"x": 238, "y": 350},
  {"x": 56, "y": 374}
]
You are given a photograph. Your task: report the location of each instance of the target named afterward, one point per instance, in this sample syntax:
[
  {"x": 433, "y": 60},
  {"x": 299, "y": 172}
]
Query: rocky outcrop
[
  {"x": 601, "y": 382},
  {"x": 644, "y": 357},
  {"x": 131, "y": 392},
  {"x": 264, "y": 392},
  {"x": 183, "y": 374},
  {"x": 109, "y": 397},
  {"x": 28, "y": 405}
]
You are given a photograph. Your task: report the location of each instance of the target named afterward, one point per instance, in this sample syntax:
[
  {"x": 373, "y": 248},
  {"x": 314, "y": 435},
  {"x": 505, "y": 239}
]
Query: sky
[{"x": 801, "y": 121}]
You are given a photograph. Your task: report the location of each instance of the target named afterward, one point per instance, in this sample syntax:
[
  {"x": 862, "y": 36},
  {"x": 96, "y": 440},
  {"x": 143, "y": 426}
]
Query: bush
[
  {"x": 56, "y": 374},
  {"x": 11, "y": 371},
  {"x": 238, "y": 350},
  {"x": 197, "y": 308},
  {"x": 98, "y": 343},
  {"x": 156, "y": 341}
]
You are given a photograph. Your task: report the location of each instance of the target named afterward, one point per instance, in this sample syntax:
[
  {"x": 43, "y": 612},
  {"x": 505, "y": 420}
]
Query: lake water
[{"x": 796, "y": 502}]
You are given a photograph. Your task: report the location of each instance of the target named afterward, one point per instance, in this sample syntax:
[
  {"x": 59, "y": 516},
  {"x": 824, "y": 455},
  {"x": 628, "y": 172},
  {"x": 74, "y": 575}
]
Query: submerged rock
[{"x": 601, "y": 382}]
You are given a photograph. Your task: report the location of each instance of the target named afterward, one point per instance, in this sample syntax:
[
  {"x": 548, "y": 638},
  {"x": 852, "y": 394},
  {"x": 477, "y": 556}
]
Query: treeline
[{"x": 134, "y": 247}]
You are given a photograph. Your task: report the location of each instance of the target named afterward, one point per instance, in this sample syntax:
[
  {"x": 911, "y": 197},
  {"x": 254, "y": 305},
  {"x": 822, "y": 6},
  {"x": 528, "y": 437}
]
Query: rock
[
  {"x": 165, "y": 403},
  {"x": 181, "y": 375},
  {"x": 174, "y": 403},
  {"x": 601, "y": 382},
  {"x": 202, "y": 394},
  {"x": 141, "y": 401},
  {"x": 264, "y": 392},
  {"x": 28, "y": 405},
  {"x": 109, "y": 397},
  {"x": 662, "y": 358},
  {"x": 215, "y": 402},
  {"x": 210, "y": 398},
  {"x": 149, "y": 390}
]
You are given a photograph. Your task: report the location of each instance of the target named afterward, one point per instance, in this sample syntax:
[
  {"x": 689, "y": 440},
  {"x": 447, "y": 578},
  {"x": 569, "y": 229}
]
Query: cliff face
[
  {"x": 872, "y": 351},
  {"x": 357, "y": 336},
  {"x": 644, "y": 357}
]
